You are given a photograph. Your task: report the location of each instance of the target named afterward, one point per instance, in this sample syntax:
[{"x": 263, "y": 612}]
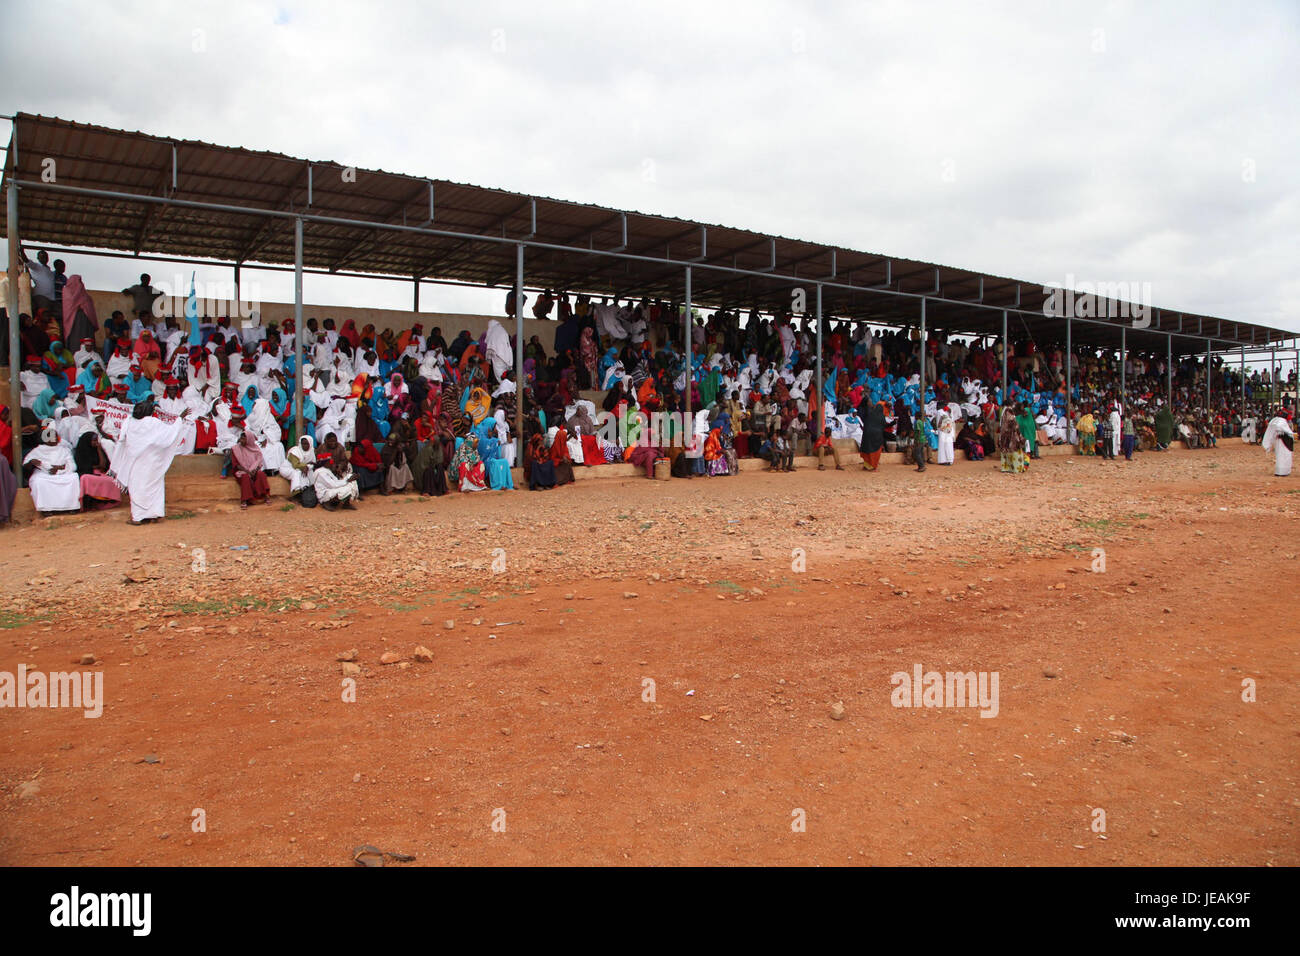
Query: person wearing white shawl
[
  {"x": 1279, "y": 439},
  {"x": 322, "y": 355},
  {"x": 198, "y": 399},
  {"x": 1115, "y": 431},
  {"x": 431, "y": 365},
  {"x": 119, "y": 366},
  {"x": 298, "y": 468},
  {"x": 616, "y": 373},
  {"x": 54, "y": 482},
  {"x": 507, "y": 386},
  {"x": 339, "y": 386},
  {"x": 339, "y": 417},
  {"x": 266, "y": 431},
  {"x": 85, "y": 354},
  {"x": 947, "y": 433},
  {"x": 367, "y": 363},
  {"x": 335, "y": 488},
  {"x": 143, "y": 453},
  {"x": 787, "y": 341},
  {"x": 71, "y": 425},
  {"x": 227, "y": 431},
  {"x": 503, "y": 436},
  {"x": 498, "y": 348}
]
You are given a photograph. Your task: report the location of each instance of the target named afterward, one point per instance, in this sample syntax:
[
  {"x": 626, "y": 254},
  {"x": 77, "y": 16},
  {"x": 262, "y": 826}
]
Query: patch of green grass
[
  {"x": 236, "y": 605},
  {"x": 290, "y": 506},
  {"x": 12, "y": 619},
  {"x": 731, "y": 586},
  {"x": 405, "y": 607},
  {"x": 182, "y": 515},
  {"x": 1103, "y": 526}
]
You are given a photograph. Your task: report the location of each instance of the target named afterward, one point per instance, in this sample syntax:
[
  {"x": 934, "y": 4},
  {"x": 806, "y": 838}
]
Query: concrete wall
[{"x": 396, "y": 319}]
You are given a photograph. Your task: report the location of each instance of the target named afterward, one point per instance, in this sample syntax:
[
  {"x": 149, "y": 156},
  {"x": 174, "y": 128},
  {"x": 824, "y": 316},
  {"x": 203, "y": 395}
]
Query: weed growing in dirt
[{"x": 182, "y": 515}]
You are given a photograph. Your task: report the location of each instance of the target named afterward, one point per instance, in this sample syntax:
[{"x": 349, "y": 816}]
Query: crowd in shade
[{"x": 405, "y": 410}]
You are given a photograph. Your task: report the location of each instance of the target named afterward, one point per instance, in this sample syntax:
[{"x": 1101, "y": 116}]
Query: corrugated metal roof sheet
[{"x": 96, "y": 157}]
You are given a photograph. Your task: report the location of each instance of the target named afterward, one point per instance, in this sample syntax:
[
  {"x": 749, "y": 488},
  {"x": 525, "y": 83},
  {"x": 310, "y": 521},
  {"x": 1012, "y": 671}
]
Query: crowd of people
[{"x": 105, "y": 410}]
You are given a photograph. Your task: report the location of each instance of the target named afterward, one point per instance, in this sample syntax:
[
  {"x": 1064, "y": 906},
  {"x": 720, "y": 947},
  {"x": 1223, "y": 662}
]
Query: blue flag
[{"x": 192, "y": 314}]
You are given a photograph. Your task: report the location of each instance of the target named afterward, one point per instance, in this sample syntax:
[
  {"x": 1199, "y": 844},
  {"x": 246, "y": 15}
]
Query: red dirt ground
[{"x": 238, "y": 693}]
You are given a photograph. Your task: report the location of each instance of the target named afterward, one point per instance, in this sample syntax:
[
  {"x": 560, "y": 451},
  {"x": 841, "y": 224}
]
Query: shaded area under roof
[{"x": 191, "y": 199}]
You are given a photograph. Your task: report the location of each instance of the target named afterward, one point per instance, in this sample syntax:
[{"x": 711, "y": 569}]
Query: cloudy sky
[{"x": 1146, "y": 142}]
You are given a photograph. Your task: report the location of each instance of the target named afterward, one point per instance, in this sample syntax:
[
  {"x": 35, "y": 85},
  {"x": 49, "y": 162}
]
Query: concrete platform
[{"x": 194, "y": 482}]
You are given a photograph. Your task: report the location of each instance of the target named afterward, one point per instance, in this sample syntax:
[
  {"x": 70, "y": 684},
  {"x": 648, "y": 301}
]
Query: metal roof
[{"x": 136, "y": 193}]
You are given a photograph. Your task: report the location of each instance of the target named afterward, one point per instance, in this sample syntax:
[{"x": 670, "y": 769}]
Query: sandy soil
[{"x": 1118, "y": 689}]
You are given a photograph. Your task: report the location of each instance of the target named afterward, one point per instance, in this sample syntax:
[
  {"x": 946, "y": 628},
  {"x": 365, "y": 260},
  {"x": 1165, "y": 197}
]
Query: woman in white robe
[
  {"x": 947, "y": 433},
  {"x": 498, "y": 348},
  {"x": 54, "y": 482},
  {"x": 335, "y": 488},
  {"x": 266, "y": 430},
  {"x": 1278, "y": 430},
  {"x": 298, "y": 467},
  {"x": 143, "y": 453}
]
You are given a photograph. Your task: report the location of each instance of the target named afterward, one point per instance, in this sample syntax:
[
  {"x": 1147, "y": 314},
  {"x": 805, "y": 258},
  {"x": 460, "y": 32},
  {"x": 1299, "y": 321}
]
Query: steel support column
[
  {"x": 1169, "y": 371},
  {"x": 298, "y": 378},
  {"x": 415, "y": 305},
  {"x": 1068, "y": 380},
  {"x": 1006, "y": 384},
  {"x": 1209, "y": 370},
  {"x": 689, "y": 349},
  {"x": 922, "y": 363},
  {"x": 15, "y": 342},
  {"x": 520, "y": 382},
  {"x": 1123, "y": 361},
  {"x": 821, "y": 410}
]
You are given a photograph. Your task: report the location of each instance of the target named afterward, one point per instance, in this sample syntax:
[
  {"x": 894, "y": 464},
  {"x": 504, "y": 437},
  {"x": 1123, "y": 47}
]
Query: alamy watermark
[
  {"x": 1099, "y": 300},
  {"x": 36, "y": 689},
  {"x": 923, "y": 688}
]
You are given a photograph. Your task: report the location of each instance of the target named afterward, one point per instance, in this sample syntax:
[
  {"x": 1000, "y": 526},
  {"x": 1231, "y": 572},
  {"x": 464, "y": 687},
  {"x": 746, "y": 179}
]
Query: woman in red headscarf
[
  {"x": 349, "y": 332},
  {"x": 560, "y": 458},
  {"x": 148, "y": 354}
]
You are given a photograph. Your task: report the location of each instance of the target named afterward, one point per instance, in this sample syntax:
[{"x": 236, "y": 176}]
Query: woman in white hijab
[
  {"x": 266, "y": 430},
  {"x": 340, "y": 418},
  {"x": 947, "y": 434},
  {"x": 1280, "y": 440},
  {"x": 503, "y": 436},
  {"x": 431, "y": 365},
  {"x": 298, "y": 467},
  {"x": 144, "y": 451},
  {"x": 54, "y": 482}
]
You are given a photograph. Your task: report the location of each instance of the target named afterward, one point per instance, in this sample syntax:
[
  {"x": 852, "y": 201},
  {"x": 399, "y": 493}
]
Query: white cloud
[{"x": 832, "y": 122}]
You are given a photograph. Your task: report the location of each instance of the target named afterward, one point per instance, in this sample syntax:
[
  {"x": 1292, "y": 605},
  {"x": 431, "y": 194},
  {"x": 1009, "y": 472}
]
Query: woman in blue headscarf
[
  {"x": 138, "y": 388},
  {"x": 249, "y": 399}
]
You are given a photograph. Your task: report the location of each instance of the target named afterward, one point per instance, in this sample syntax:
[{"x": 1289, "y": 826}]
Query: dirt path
[{"x": 1118, "y": 690}]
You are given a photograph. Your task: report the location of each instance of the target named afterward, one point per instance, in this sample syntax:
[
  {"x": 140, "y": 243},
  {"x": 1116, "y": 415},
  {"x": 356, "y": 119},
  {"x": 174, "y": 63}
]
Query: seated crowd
[{"x": 389, "y": 411}]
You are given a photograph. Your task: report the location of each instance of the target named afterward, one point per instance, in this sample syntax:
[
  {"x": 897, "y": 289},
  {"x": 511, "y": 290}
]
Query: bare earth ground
[{"x": 228, "y": 676}]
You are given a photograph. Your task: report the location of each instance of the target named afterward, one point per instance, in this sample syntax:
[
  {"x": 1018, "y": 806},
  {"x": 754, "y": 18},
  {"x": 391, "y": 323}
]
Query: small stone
[
  {"x": 837, "y": 708},
  {"x": 1153, "y": 831},
  {"x": 90, "y": 658},
  {"x": 631, "y": 594},
  {"x": 449, "y": 624},
  {"x": 350, "y": 669},
  {"x": 352, "y": 654},
  {"x": 356, "y": 777},
  {"x": 423, "y": 654},
  {"x": 1047, "y": 671},
  {"x": 389, "y": 657},
  {"x": 311, "y": 605}
]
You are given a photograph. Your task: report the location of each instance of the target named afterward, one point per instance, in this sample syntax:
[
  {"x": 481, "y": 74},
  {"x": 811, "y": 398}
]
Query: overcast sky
[{"x": 1144, "y": 142}]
